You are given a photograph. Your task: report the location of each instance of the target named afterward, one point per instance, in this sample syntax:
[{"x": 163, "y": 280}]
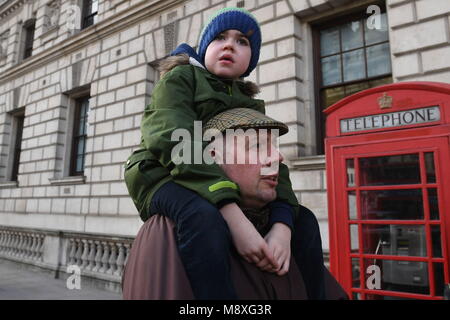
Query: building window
[
  {"x": 18, "y": 120},
  {"x": 90, "y": 13},
  {"x": 3, "y": 46},
  {"x": 79, "y": 137},
  {"x": 351, "y": 55},
  {"x": 29, "y": 37}
]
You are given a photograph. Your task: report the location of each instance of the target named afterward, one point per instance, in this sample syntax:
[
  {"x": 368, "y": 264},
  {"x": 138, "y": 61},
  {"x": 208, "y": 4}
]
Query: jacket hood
[{"x": 247, "y": 87}]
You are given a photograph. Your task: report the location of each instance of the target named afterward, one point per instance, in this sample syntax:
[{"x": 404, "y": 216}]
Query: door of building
[{"x": 393, "y": 240}]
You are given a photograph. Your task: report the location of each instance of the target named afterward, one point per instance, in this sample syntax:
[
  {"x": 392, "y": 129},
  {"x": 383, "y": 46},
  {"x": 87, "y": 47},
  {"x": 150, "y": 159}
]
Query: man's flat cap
[{"x": 244, "y": 118}]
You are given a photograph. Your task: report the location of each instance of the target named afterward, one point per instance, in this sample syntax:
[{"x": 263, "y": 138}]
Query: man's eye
[{"x": 220, "y": 37}]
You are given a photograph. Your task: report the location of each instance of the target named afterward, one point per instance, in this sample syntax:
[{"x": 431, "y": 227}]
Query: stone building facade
[{"x": 76, "y": 75}]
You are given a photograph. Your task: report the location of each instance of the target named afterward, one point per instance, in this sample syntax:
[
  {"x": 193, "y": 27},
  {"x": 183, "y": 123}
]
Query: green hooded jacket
[{"x": 183, "y": 95}]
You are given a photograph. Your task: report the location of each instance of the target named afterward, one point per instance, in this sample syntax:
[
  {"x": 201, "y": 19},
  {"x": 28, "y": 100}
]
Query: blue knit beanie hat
[{"x": 237, "y": 19}]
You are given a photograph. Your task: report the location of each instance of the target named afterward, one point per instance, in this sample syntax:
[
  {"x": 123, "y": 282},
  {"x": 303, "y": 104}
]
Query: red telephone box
[{"x": 388, "y": 176}]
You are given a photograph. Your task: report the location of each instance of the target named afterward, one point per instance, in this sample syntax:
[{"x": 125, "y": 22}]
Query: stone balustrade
[
  {"x": 97, "y": 256},
  {"x": 26, "y": 246}
]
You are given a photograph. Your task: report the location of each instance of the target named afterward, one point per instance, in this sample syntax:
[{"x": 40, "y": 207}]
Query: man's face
[
  {"x": 228, "y": 55},
  {"x": 257, "y": 178}
]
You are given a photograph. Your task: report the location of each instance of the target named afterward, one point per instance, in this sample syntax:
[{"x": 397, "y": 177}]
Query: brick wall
[{"x": 420, "y": 39}]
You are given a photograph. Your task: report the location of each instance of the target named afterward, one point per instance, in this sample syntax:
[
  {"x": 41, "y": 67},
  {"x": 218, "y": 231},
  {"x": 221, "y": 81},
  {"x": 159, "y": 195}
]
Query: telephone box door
[{"x": 393, "y": 239}]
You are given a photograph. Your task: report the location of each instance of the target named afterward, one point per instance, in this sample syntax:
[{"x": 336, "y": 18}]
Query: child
[{"x": 199, "y": 198}]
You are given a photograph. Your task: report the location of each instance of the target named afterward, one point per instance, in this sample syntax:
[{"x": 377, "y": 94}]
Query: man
[{"x": 245, "y": 147}]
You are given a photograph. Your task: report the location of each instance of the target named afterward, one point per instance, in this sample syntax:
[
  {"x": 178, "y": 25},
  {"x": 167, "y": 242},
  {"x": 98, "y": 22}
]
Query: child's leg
[
  {"x": 203, "y": 240},
  {"x": 307, "y": 251}
]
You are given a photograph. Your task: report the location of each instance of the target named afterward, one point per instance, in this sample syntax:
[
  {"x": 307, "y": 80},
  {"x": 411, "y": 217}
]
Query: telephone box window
[
  {"x": 354, "y": 243},
  {"x": 429, "y": 165},
  {"x": 352, "y": 205},
  {"x": 401, "y": 275},
  {"x": 350, "y": 173},
  {"x": 390, "y": 170},
  {"x": 439, "y": 278},
  {"x": 392, "y": 204},
  {"x": 356, "y": 282},
  {"x": 433, "y": 204},
  {"x": 395, "y": 240},
  {"x": 436, "y": 241}
]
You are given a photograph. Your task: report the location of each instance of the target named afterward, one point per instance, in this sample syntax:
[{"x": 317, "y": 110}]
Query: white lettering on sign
[{"x": 389, "y": 120}]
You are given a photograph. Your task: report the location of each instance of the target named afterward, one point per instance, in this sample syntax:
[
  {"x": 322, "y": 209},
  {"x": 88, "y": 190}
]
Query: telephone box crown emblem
[{"x": 385, "y": 101}]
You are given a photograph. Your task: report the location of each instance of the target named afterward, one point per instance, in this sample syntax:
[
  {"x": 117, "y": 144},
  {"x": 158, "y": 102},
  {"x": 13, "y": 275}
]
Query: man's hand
[
  {"x": 279, "y": 242},
  {"x": 247, "y": 240}
]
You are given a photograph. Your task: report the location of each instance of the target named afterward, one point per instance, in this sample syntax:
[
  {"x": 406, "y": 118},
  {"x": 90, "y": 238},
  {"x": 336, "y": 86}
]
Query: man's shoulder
[
  {"x": 303, "y": 209},
  {"x": 307, "y": 215}
]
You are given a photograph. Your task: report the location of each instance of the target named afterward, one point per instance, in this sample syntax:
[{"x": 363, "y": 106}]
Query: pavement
[{"x": 21, "y": 282}]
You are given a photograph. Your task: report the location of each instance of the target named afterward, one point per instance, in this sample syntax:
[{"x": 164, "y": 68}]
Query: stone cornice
[
  {"x": 309, "y": 163},
  {"x": 96, "y": 32},
  {"x": 9, "y": 7}
]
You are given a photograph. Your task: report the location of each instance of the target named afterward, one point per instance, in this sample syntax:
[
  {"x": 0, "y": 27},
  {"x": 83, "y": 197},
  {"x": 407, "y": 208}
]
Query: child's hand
[
  {"x": 252, "y": 247},
  {"x": 247, "y": 240},
  {"x": 279, "y": 242}
]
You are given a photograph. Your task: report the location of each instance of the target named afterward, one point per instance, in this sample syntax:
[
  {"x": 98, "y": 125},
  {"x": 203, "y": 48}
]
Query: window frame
[
  {"x": 29, "y": 29},
  {"x": 18, "y": 124},
  {"x": 76, "y": 137},
  {"x": 87, "y": 15},
  {"x": 317, "y": 27}
]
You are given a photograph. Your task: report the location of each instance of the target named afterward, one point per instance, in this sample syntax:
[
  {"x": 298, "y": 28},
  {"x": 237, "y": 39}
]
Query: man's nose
[
  {"x": 274, "y": 156},
  {"x": 272, "y": 163},
  {"x": 278, "y": 157}
]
